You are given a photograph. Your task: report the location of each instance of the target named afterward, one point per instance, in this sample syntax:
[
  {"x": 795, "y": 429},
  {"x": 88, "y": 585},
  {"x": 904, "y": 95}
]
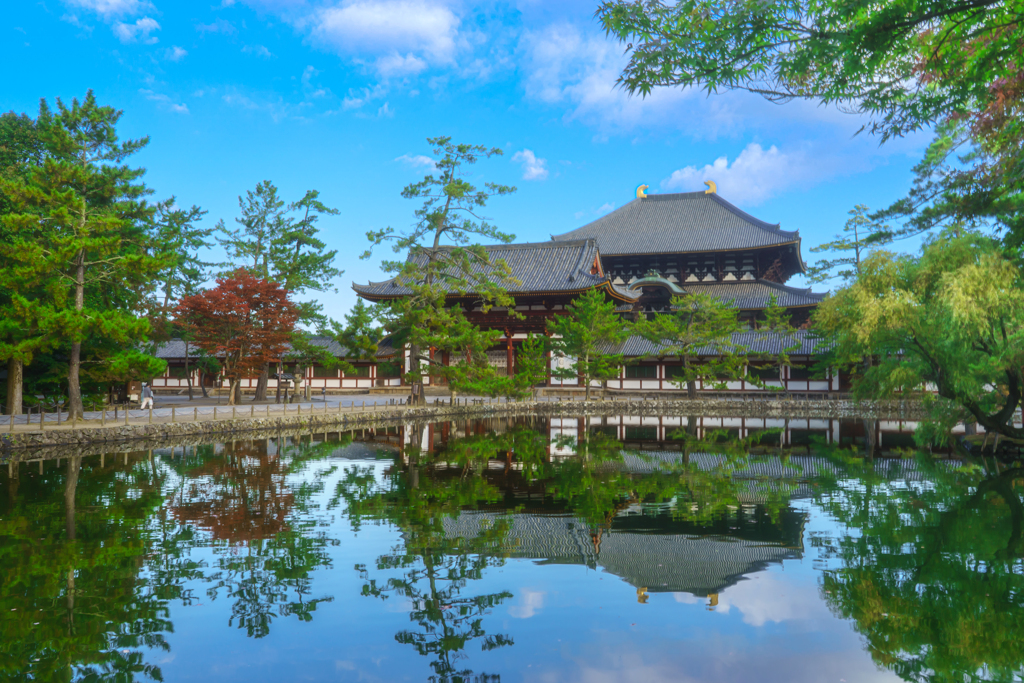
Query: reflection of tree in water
[
  {"x": 435, "y": 571},
  {"x": 710, "y": 493},
  {"x": 425, "y": 489},
  {"x": 238, "y": 494},
  {"x": 76, "y": 601},
  {"x": 933, "y": 572},
  {"x": 260, "y": 526}
]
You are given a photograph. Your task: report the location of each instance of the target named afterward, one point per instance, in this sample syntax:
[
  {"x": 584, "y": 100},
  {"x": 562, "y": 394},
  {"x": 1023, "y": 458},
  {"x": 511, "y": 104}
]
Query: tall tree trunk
[
  {"x": 188, "y": 375},
  {"x": 691, "y": 385},
  {"x": 202, "y": 384},
  {"x": 586, "y": 379},
  {"x": 75, "y": 364},
  {"x": 261, "y": 384},
  {"x": 870, "y": 442},
  {"x": 70, "y": 487},
  {"x": 414, "y": 367},
  {"x": 15, "y": 386},
  {"x": 233, "y": 388}
]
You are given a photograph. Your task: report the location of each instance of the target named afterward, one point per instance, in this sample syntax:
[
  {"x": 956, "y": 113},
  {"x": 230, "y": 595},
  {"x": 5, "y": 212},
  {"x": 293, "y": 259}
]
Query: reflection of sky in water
[{"x": 569, "y": 622}]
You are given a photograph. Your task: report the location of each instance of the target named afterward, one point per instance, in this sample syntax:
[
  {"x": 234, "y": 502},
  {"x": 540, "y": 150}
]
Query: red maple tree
[{"x": 244, "y": 321}]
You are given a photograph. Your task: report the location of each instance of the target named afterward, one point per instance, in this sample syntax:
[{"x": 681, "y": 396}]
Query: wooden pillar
[{"x": 511, "y": 356}]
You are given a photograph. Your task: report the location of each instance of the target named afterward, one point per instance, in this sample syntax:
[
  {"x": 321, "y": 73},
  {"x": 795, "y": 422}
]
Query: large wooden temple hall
[{"x": 640, "y": 255}]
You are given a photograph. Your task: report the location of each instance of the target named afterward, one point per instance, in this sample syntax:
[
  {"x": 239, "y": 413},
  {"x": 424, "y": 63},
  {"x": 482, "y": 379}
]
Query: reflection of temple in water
[
  {"x": 656, "y": 433},
  {"x": 651, "y": 552},
  {"x": 652, "y": 546}
]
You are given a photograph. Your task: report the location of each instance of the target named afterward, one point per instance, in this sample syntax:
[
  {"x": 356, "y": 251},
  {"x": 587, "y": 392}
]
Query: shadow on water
[{"x": 924, "y": 558}]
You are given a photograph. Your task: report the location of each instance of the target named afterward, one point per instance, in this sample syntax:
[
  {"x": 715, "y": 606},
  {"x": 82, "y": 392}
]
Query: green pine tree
[
  {"x": 585, "y": 334},
  {"x": 442, "y": 257},
  {"x": 696, "y": 324},
  {"x": 81, "y": 234},
  {"x": 273, "y": 244},
  {"x": 861, "y": 234},
  {"x": 20, "y": 148},
  {"x": 778, "y": 334}
]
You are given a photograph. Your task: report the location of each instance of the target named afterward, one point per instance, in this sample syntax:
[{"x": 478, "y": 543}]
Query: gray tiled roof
[
  {"x": 756, "y": 342},
  {"x": 679, "y": 223},
  {"x": 659, "y": 562},
  {"x": 756, "y": 294},
  {"x": 175, "y": 348},
  {"x": 539, "y": 267}
]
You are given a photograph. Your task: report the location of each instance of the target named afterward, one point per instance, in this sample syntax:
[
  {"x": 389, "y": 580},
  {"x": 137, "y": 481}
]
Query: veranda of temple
[{"x": 639, "y": 256}]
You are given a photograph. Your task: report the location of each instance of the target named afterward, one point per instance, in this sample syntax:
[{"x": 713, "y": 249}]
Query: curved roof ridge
[
  {"x": 775, "y": 227},
  {"x": 687, "y": 222}
]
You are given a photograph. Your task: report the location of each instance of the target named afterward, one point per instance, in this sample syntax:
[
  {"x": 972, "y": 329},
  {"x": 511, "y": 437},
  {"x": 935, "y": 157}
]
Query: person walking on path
[{"x": 147, "y": 396}]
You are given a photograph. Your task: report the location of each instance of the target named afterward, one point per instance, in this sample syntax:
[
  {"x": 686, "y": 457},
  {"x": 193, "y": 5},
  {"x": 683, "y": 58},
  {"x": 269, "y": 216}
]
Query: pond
[{"x": 499, "y": 550}]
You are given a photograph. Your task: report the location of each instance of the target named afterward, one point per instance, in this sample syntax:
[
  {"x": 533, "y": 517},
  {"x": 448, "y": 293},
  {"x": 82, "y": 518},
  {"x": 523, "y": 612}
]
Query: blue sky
[{"x": 340, "y": 96}]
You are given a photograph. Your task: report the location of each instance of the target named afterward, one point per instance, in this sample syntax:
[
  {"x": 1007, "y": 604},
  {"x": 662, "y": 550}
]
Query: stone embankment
[{"x": 100, "y": 438}]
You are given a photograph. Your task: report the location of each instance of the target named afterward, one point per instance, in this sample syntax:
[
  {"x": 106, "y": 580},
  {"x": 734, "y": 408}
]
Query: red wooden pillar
[{"x": 511, "y": 355}]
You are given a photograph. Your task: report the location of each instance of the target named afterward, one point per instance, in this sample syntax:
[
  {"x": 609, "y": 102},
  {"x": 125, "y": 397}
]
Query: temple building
[{"x": 641, "y": 255}]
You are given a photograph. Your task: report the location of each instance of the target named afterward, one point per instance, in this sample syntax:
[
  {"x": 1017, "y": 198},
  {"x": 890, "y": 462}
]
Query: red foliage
[
  {"x": 243, "y": 321},
  {"x": 238, "y": 495}
]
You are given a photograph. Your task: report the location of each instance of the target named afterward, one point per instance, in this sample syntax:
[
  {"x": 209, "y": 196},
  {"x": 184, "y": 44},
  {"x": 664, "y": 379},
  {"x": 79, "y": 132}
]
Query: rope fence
[{"x": 122, "y": 414}]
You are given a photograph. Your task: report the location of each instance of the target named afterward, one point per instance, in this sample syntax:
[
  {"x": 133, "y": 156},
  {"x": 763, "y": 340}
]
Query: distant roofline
[{"x": 773, "y": 228}]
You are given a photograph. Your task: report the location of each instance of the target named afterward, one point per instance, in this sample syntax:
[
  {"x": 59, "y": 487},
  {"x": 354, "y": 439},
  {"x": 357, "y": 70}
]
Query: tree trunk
[
  {"x": 15, "y": 386},
  {"x": 870, "y": 442},
  {"x": 277, "y": 390},
  {"x": 202, "y": 384},
  {"x": 414, "y": 367},
  {"x": 70, "y": 486},
  {"x": 691, "y": 385},
  {"x": 261, "y": 385},
  {"x": 586, "y": 390},
  {"x": 188, "y": 375},
  {"x": 75, "y": 363},
  {"x": 233, "y": 388}
]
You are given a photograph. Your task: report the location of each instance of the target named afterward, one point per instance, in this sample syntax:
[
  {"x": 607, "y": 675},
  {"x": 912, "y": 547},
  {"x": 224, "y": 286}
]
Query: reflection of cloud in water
[
  {"x": 721, "y": 658},
  {"x": 530, "y": 601},
  {"x": 764, "y": 598}
]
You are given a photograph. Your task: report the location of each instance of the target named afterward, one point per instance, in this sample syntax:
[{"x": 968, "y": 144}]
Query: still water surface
[{"x": 498, "y": 551}]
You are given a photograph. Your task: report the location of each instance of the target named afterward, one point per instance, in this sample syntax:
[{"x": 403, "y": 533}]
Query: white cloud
[
  {"x": 533, "y": 168},
  {"x": 417, "y": 161},
  {"x": 74, "y": 21},
  {"x": 356, "y": 99},
  {"x": 566, "y": 66},
  {"x": 765, "y": 598},
  {"x": 530, "y": 602},
  {"x": 175, "y": 54},
  {"x": 272, "y": 105},
  {"x": 420, "y": 29},
  {"x": 755, "y": 175},
  {"x": 385, "y": 111},
  {"x": 395, "y": 64},
  {"x": 111, "y": 8},
  {"x": 599, "y": 211},
  {"x": 218, "y": 26},
  {"x": 258, "y": 50},
  {"x": 139, "y": 31},
  {"x": 164, "y": 101}
]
